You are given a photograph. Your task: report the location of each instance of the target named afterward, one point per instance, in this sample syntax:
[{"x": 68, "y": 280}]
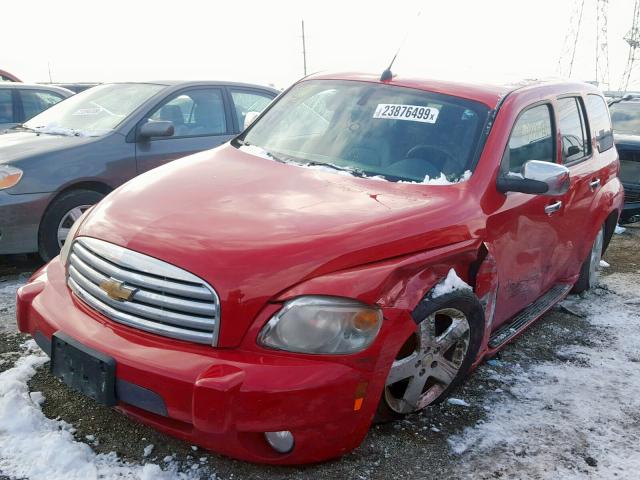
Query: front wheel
[
  {"x": 60, "y": 217},
  {"x": 436, "y": 357},
  {"x": 590, "y": 268}
]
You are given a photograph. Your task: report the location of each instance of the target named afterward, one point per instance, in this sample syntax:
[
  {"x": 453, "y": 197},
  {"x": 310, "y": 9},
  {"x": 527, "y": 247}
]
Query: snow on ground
[
  {"x": 35, "y": 447},
  {"x": 548, "y": 415},
  {"x": 8, "y": 290}
]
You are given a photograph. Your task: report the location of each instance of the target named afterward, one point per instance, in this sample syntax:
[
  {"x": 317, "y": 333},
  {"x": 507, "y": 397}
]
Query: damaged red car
[{"x": 351, "y": 256}]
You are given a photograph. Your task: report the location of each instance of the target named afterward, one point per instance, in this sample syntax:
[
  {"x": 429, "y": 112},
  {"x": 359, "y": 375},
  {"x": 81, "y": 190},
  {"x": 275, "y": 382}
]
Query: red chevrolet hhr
[{"x": 351, "y": 256}]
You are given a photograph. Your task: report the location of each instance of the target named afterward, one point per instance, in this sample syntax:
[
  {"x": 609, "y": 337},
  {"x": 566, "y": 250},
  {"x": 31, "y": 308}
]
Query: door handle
[
  {"x": 593, "y": 184},
  {"x": 553, "y": 208}
]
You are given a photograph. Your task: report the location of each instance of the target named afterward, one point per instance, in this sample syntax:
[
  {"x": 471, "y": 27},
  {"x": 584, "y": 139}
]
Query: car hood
[
  {"x": 16, "y": 146},
  {"x": 253, "y": 227}
]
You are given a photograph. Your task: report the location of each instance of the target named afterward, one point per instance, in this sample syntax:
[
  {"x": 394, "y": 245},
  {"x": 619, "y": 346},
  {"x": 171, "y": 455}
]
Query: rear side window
[
  {"x": 575, "y": 141},
  {"x": 246, "y": 101},
  {"x": 6, "y": 106},
  {"x": 531, "y": 139},
  {"x": 600, "y": 122}
]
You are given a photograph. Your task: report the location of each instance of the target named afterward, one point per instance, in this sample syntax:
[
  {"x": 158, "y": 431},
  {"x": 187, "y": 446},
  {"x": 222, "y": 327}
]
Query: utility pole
[
  {"x": 304, "y": 51},
  {"x": 49, "y": 68}
]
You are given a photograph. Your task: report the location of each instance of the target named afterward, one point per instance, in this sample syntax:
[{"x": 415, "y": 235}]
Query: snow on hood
[
  {"x": 54, "y": 129},
  {"x": 329, "y": 167}
]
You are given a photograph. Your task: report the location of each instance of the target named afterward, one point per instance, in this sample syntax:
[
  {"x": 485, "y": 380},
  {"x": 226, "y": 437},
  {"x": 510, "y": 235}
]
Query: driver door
[{"x": 523, "y": 234}]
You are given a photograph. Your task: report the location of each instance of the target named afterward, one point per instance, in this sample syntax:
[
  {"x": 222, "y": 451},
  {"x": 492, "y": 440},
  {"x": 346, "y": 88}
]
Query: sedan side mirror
[
  {"x": 249, "y": 118},
  {"x": 156, "y": 129},
  {"x": 573, "y": 150},
  {"x": 540, "y": 178}
]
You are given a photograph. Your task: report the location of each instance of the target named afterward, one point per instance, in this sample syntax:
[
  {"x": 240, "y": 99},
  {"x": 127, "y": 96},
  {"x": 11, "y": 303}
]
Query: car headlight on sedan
[
  {"x": 9, "y": 176},
  {"x": 317, "y": 324},
  {"x": 73, "y": 231}
]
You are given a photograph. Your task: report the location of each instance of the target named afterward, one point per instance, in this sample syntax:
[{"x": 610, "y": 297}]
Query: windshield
[
  {"x": 397, "y": 133},
  {"x": 626, "y": 117},
  {"x": 93, "y": 112}
]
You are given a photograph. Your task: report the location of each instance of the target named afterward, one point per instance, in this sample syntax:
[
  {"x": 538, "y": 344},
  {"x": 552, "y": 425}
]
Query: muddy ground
[{"x": 413, "y": 448}]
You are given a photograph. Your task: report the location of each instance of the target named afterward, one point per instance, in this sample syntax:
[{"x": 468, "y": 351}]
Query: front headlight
[
  {"x": 9, "y": 176},
  {"x": 73, "y": 231},
  {"x": 316, "y": 324}
]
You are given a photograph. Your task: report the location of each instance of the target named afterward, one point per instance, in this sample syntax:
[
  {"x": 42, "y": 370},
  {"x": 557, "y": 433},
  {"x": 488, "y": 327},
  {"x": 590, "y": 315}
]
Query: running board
[{"x": 529, "y": 314}]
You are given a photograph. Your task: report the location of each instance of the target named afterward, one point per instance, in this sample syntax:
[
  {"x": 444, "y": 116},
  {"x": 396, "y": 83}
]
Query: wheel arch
[
  {"x": 93, "y": 185},
  {"x": 609, "y": 228}
]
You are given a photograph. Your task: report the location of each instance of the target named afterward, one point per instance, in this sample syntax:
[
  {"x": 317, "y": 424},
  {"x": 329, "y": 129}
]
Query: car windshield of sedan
[
  {"x": 94, "y": 112},
  {"x": 625, "y": 117},
  {"x": 373, "y": 130}
]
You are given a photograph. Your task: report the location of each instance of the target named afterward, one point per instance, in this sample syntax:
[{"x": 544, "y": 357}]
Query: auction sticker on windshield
[{"x": 415, "y": 113}]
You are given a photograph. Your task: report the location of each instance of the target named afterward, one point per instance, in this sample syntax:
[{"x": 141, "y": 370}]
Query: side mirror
[
  {"x": 156, "y": 129},
  {"x": 249, "y": 118},
  {"x": 538, "y": 178},
  {"x": 573, "y": 150}
]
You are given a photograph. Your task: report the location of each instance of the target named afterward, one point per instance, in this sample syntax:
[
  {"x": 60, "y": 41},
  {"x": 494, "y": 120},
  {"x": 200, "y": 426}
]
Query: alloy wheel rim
[
  {"x": 428, "y": 362},
  {"x": 68, "y": 219},
  {"x": 594, "y": 260}
]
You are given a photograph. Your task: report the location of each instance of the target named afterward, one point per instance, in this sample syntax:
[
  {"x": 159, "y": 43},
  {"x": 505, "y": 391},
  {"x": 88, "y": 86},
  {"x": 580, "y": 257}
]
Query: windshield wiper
[
  {"x": 244, "y": 143},
  {"x": 352, "y": 170},
  {"x": 22, "y": 127}
]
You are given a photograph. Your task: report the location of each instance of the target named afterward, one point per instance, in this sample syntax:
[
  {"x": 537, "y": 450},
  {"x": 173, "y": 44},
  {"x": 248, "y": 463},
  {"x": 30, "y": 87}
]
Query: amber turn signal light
[
  {"x": 9, "y": 176},
  {"x": 366, "y": 320}
]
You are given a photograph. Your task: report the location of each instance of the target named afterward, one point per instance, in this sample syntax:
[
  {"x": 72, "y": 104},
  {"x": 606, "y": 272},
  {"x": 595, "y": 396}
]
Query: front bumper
[
  {"x": 631, "y": 202},
  {"x": 221, "y": 399},
  {"x": 19, "y": 221}
]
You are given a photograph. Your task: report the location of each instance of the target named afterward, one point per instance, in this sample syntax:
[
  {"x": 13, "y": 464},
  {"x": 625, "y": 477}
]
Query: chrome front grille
[
  {"x": 631, "y": 196},
  {"x": 165, "y": 299}
]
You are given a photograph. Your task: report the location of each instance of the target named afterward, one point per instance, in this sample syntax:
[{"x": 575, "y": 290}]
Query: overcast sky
[{"x": 260, "y": 41}]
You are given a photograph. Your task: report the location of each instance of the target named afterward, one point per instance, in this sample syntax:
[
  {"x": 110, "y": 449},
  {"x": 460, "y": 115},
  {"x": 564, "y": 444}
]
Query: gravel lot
[{"x": 525, "y": 417}]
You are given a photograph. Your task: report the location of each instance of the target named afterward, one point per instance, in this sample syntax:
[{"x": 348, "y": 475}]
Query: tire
[
  {"x": 62, "y": 208},
  {"x": 438, "y": 318},
  {"x": 589, "y": 270}
]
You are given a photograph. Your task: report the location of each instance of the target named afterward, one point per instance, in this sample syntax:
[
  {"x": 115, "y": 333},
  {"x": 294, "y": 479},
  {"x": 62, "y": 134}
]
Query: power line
[
  {"x": 571, "y": 40},
  {"x": 602, "y": 43},
  {"x": 633, "y": 39}
]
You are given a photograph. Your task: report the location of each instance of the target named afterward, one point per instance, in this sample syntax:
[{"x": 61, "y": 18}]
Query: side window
[
  {"x": 6, "y": 106},
  {"x": 194, "y": 113},
  {"x": 575, "y": 141},
  {"x": 245, "y": 101},
  {"x": 600, "y": 122},
  {"x": 36, "y": 101},
  {"x": 531, "y": 139}
]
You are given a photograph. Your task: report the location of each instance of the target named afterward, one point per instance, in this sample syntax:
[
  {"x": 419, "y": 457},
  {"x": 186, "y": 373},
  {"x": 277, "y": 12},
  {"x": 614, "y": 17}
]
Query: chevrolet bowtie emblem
[{"x": 117, "y": 290}]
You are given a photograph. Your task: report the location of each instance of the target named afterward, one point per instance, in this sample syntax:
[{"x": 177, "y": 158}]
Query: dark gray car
[
  {"x": 21, "y": 101},
  {"x": 69, "y": 157}
]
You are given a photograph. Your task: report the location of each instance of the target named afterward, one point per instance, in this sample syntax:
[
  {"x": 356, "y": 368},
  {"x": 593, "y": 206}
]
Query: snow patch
[
  {"x": 586, "y": 406},
  {"x": 35, "y": 447},
  {"x": 450, "y": 284},
  {"x": 604, "y": 264},
  {"x": 55, "y": 129},
  {"x": 619, "y": 230},
  {"x": 442, "y": 179},
  {"x": 8, "y": 291},
  {"x": 458, "y": 402}
]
